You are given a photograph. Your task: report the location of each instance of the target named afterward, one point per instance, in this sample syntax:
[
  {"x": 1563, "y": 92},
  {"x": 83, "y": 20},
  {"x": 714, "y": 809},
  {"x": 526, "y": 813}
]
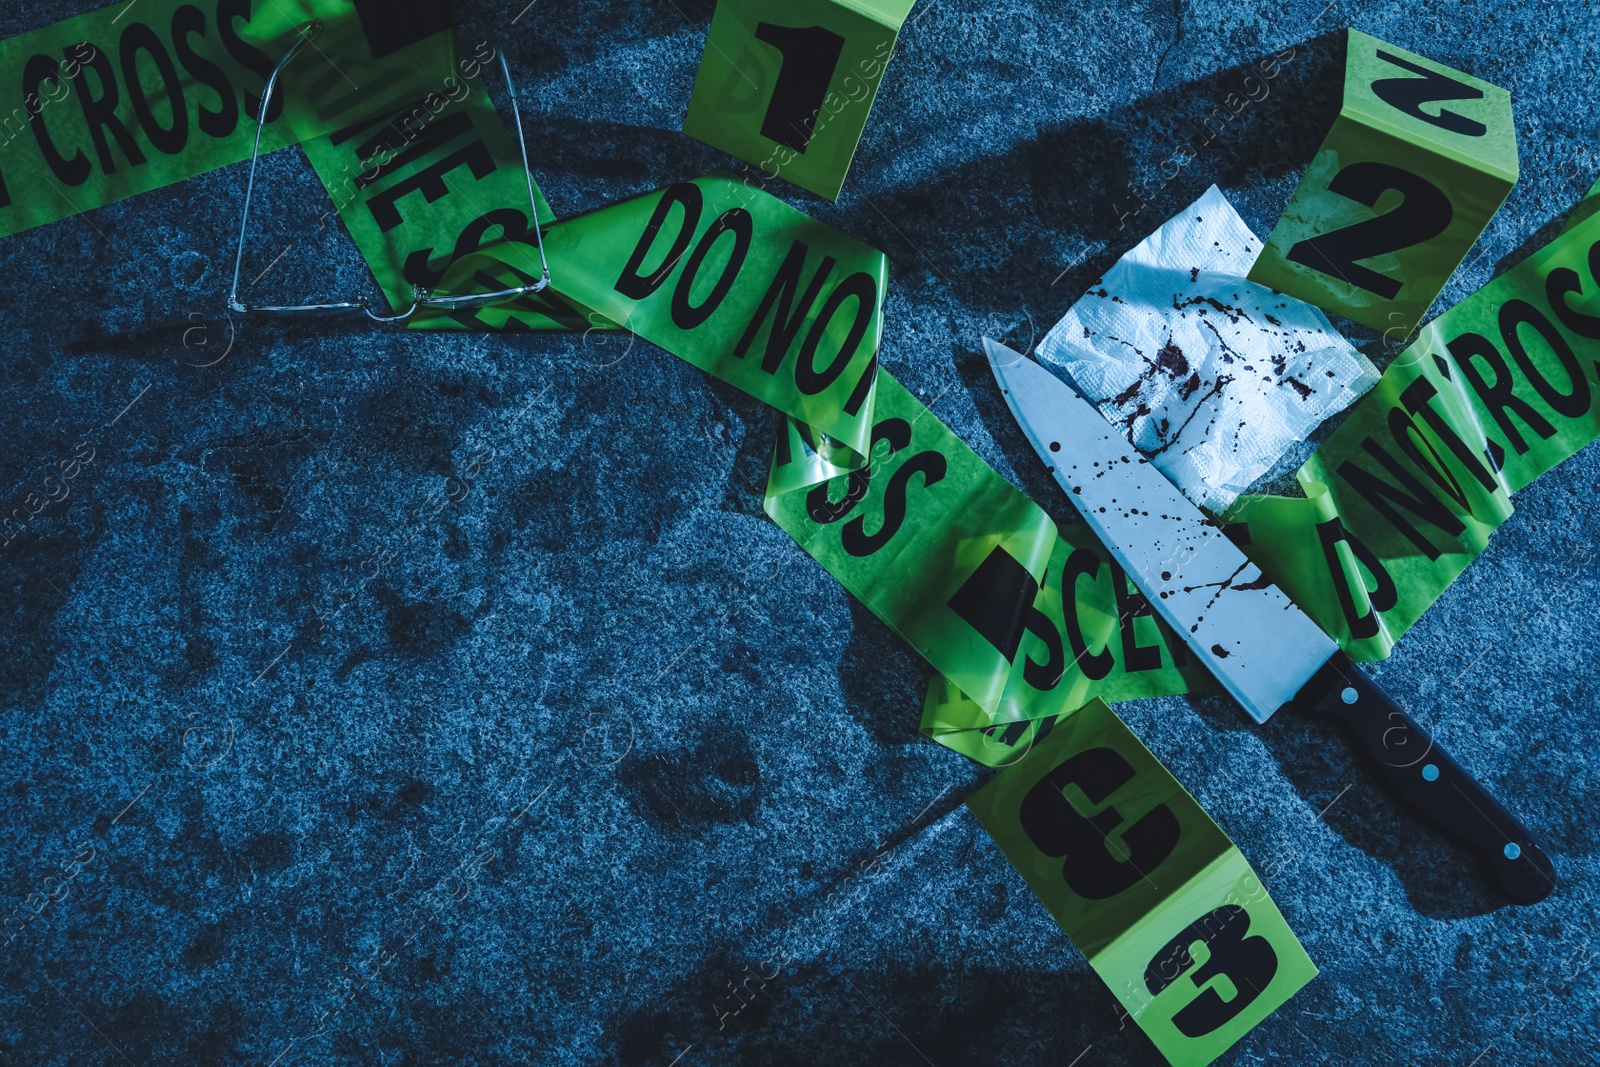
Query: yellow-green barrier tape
[{"x": 121, "y": 101}]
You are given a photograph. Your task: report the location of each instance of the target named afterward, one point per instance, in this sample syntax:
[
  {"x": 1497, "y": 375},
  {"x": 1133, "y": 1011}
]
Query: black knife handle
[{"x": 1433, "y": 782}]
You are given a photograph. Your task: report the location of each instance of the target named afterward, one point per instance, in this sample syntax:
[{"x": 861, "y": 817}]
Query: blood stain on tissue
[
  {"x": 1127, "y": 395},
  {"x": 1171, "y": 362},
  {"x": 1300, "y": 387},
  {"x": 1233, "y": 314}
]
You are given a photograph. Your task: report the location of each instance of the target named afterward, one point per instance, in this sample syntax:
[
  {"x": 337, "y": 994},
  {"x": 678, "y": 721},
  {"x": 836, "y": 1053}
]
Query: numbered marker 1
[
  {"x": 1417, "y": 163},
  {"x": 786, "y": 86},
  {"x": 1145, "y": 884}
]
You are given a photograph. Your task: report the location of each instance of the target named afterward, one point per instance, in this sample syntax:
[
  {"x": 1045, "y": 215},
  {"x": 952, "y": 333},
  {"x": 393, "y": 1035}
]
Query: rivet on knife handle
[{"x": 1432, "y": 781}]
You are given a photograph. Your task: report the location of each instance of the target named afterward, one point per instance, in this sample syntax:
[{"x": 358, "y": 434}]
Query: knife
[{"x": 1263, "y": 649}]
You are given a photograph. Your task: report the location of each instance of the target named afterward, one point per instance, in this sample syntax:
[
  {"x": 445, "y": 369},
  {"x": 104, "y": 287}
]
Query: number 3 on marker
[
  {"x": 1248, "y": 962},
  {"x": 1057, "y": 828}
]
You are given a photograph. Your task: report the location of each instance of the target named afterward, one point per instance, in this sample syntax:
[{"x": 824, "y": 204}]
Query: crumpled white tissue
[{"x": 1208, "y": 374}]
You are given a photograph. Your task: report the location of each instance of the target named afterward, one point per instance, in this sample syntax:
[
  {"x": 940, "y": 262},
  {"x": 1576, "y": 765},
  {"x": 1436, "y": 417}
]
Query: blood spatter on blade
[{"x": 1220, "y": 652}]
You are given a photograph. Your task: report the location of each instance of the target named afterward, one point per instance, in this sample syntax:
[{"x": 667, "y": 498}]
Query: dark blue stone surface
[{"x": 601, "y": 739}]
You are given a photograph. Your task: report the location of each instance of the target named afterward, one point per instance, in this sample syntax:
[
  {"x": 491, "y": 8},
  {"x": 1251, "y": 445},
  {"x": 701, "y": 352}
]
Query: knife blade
[{"x": 1264, "y": 650}]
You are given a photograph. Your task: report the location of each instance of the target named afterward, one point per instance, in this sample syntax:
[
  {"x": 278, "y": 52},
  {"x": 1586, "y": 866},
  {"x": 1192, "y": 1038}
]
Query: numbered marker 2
[
  {"x": 786, "y": 85},
  {"x": 1418, "y": 162}
]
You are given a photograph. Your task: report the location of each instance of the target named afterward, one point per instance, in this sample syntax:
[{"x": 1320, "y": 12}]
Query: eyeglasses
[{"x": 419, "y": 297}]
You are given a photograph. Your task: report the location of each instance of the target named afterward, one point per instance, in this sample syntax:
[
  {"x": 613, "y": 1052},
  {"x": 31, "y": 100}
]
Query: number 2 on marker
[
  {"x": 810, "y": 59},
  {"x": 1423, "y": 213}
]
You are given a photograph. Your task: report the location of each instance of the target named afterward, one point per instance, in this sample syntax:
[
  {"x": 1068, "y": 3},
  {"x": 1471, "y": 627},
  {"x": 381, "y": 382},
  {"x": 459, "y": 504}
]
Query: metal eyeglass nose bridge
[{"x": 420, "y": 299}]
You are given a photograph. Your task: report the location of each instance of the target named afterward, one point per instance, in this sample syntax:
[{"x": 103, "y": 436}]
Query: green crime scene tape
[{"x": 113, "y": 103}]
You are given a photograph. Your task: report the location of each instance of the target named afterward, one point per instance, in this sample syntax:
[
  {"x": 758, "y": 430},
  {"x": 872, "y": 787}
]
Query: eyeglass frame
[{"x": 419, "y": 299}]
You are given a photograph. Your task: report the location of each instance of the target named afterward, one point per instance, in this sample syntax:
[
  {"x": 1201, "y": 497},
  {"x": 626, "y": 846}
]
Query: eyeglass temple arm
[
  {"x": 527, "y": 170},
  {"x": 255, "y": 156},
  {"x": 476, "y": 300}
]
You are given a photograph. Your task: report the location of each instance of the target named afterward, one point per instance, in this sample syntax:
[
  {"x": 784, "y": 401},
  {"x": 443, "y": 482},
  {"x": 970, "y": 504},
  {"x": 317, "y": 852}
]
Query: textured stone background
[{"x": 711, "y": 735}]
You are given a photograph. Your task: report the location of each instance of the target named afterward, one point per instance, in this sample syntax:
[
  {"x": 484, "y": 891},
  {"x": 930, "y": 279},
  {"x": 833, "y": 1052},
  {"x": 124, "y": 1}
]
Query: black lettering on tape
[
  {"x": 685, "y": 314},
  {"x": 1047, "y": 675},
  {"x": 429, "y": 182},
  {"x": 399, "y": 145},
  {"x": 1082, "y": 563},
  {"x": 995, "y": 600},
  {"x": 187, "y": 21},
  {"x": 1574, "y": 403},
  {"x": 637, "y": 286},
  {"x": 1497, "y": 396},
  {"x": 513, "y": 224},
  {"x": 894, "y": 432},
  {"x": 780, "y": 303},
  {"x": 855, "y": 539},
  {"x": 247, "y": 56},
  {"x": 100, "y": 113},
  {"x": 1410, "y": 494},
  {"x": 1420, "y": 451},
  {"x": 1416, "y": 397},
  {"x": 863, "y": 389},
  {"x": 1382, "y": 597},
  {"x": 74, "y": 171},
  {"x": 864, "y": 288},
  {"x": 168, "y": 140},
  {"x": 1562, "y": 283},
  {"x": 390, "y": 25},
  {"x": 1131, "y": 604}
]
